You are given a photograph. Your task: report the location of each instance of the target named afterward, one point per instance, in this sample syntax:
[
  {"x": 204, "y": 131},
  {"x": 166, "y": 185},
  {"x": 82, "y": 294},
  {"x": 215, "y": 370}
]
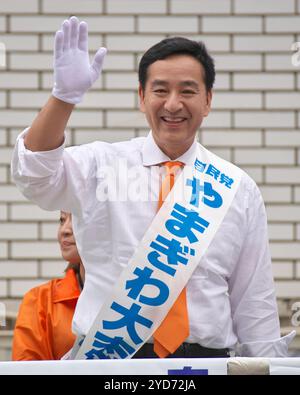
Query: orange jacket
[{"x": 43, "y": 327}]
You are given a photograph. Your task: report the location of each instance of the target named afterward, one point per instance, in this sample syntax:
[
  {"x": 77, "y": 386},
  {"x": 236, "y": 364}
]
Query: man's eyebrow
[
  {"x": 159, "y": 82},
  {"x": 190, "y": 83},
  {"x": 187, "y": 83}
]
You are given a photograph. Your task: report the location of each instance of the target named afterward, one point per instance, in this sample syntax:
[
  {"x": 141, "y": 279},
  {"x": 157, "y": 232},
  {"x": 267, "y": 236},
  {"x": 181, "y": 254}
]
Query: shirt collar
[
  {"x": 153, "y": 155},
  {"x": 66, "y": 288}
]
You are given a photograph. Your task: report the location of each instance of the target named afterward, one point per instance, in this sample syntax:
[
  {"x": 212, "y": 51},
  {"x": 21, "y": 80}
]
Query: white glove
[{"x": 73, "y": 73}]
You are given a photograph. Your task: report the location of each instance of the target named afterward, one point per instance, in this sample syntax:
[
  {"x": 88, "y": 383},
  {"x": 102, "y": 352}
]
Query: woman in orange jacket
[{"x": 43, "y": 326}]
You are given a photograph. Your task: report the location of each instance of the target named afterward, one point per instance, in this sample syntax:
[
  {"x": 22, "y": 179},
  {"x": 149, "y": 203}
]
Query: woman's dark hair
[
  {"x": 178, "y": 46},
  {"x": 74, "y": 266}
]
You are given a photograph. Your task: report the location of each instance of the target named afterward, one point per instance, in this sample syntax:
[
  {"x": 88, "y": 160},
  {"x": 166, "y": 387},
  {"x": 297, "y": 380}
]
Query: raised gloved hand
[{"x": 73, "y": 72}]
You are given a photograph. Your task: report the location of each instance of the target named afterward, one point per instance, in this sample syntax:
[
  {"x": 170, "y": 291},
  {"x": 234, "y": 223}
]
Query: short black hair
[{"x": 178, "y": 46}]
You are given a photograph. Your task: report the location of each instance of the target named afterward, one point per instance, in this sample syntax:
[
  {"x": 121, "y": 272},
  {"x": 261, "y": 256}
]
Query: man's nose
[{"x": 173, "y": 103}]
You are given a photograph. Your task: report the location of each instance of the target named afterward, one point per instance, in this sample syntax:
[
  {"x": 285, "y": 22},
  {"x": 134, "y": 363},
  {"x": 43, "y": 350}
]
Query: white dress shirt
[{"x": 230, "y": 295}]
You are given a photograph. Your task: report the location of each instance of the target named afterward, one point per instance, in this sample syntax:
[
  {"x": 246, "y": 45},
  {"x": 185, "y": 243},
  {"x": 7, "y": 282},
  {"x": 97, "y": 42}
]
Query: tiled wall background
[{"x": 254, "y": 122}]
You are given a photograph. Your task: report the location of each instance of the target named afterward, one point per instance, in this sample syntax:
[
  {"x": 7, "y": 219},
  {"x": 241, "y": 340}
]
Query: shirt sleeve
[
  {"x": 55, "y": 180},
  {"x": 251, "y": 287},
  {"x": 30, "y": 341}
]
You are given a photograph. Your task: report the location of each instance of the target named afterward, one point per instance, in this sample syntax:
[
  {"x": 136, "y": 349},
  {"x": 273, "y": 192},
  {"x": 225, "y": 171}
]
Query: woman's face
[{"x": 66, "y": 239}]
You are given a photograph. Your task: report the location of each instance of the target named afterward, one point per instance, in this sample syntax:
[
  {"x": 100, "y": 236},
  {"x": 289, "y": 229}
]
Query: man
[{"x": 228, "y": 295}]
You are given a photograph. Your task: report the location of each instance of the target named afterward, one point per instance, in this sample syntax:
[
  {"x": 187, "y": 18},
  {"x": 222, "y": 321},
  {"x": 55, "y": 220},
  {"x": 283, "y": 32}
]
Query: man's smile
[{"x": 173, "y": 120}]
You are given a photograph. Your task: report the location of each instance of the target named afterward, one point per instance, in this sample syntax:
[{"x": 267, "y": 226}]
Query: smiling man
[
  {"x": 175, "y": 98},
  {"x": 186, "y": 279}
]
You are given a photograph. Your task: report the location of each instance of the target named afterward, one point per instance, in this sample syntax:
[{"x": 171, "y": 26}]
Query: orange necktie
[{"x": 175, "y": 327}]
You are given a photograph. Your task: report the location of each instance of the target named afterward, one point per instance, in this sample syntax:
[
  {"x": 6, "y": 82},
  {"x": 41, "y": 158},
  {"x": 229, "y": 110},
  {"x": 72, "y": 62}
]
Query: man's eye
[
  {"x": 61, "y": 220},
  {"x": 188, "y": 92},
  {"x": 159, "y": 91}
]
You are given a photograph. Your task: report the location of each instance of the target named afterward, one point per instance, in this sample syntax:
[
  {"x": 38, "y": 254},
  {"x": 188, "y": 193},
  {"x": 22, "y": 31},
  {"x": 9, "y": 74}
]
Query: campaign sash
[{"x": 165, "y": 259}]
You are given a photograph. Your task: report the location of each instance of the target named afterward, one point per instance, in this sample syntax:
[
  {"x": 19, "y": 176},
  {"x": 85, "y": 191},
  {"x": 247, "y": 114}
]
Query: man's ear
[
  {"x": 208, "y": 102},
  {"x": 142, "y": 98}
]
